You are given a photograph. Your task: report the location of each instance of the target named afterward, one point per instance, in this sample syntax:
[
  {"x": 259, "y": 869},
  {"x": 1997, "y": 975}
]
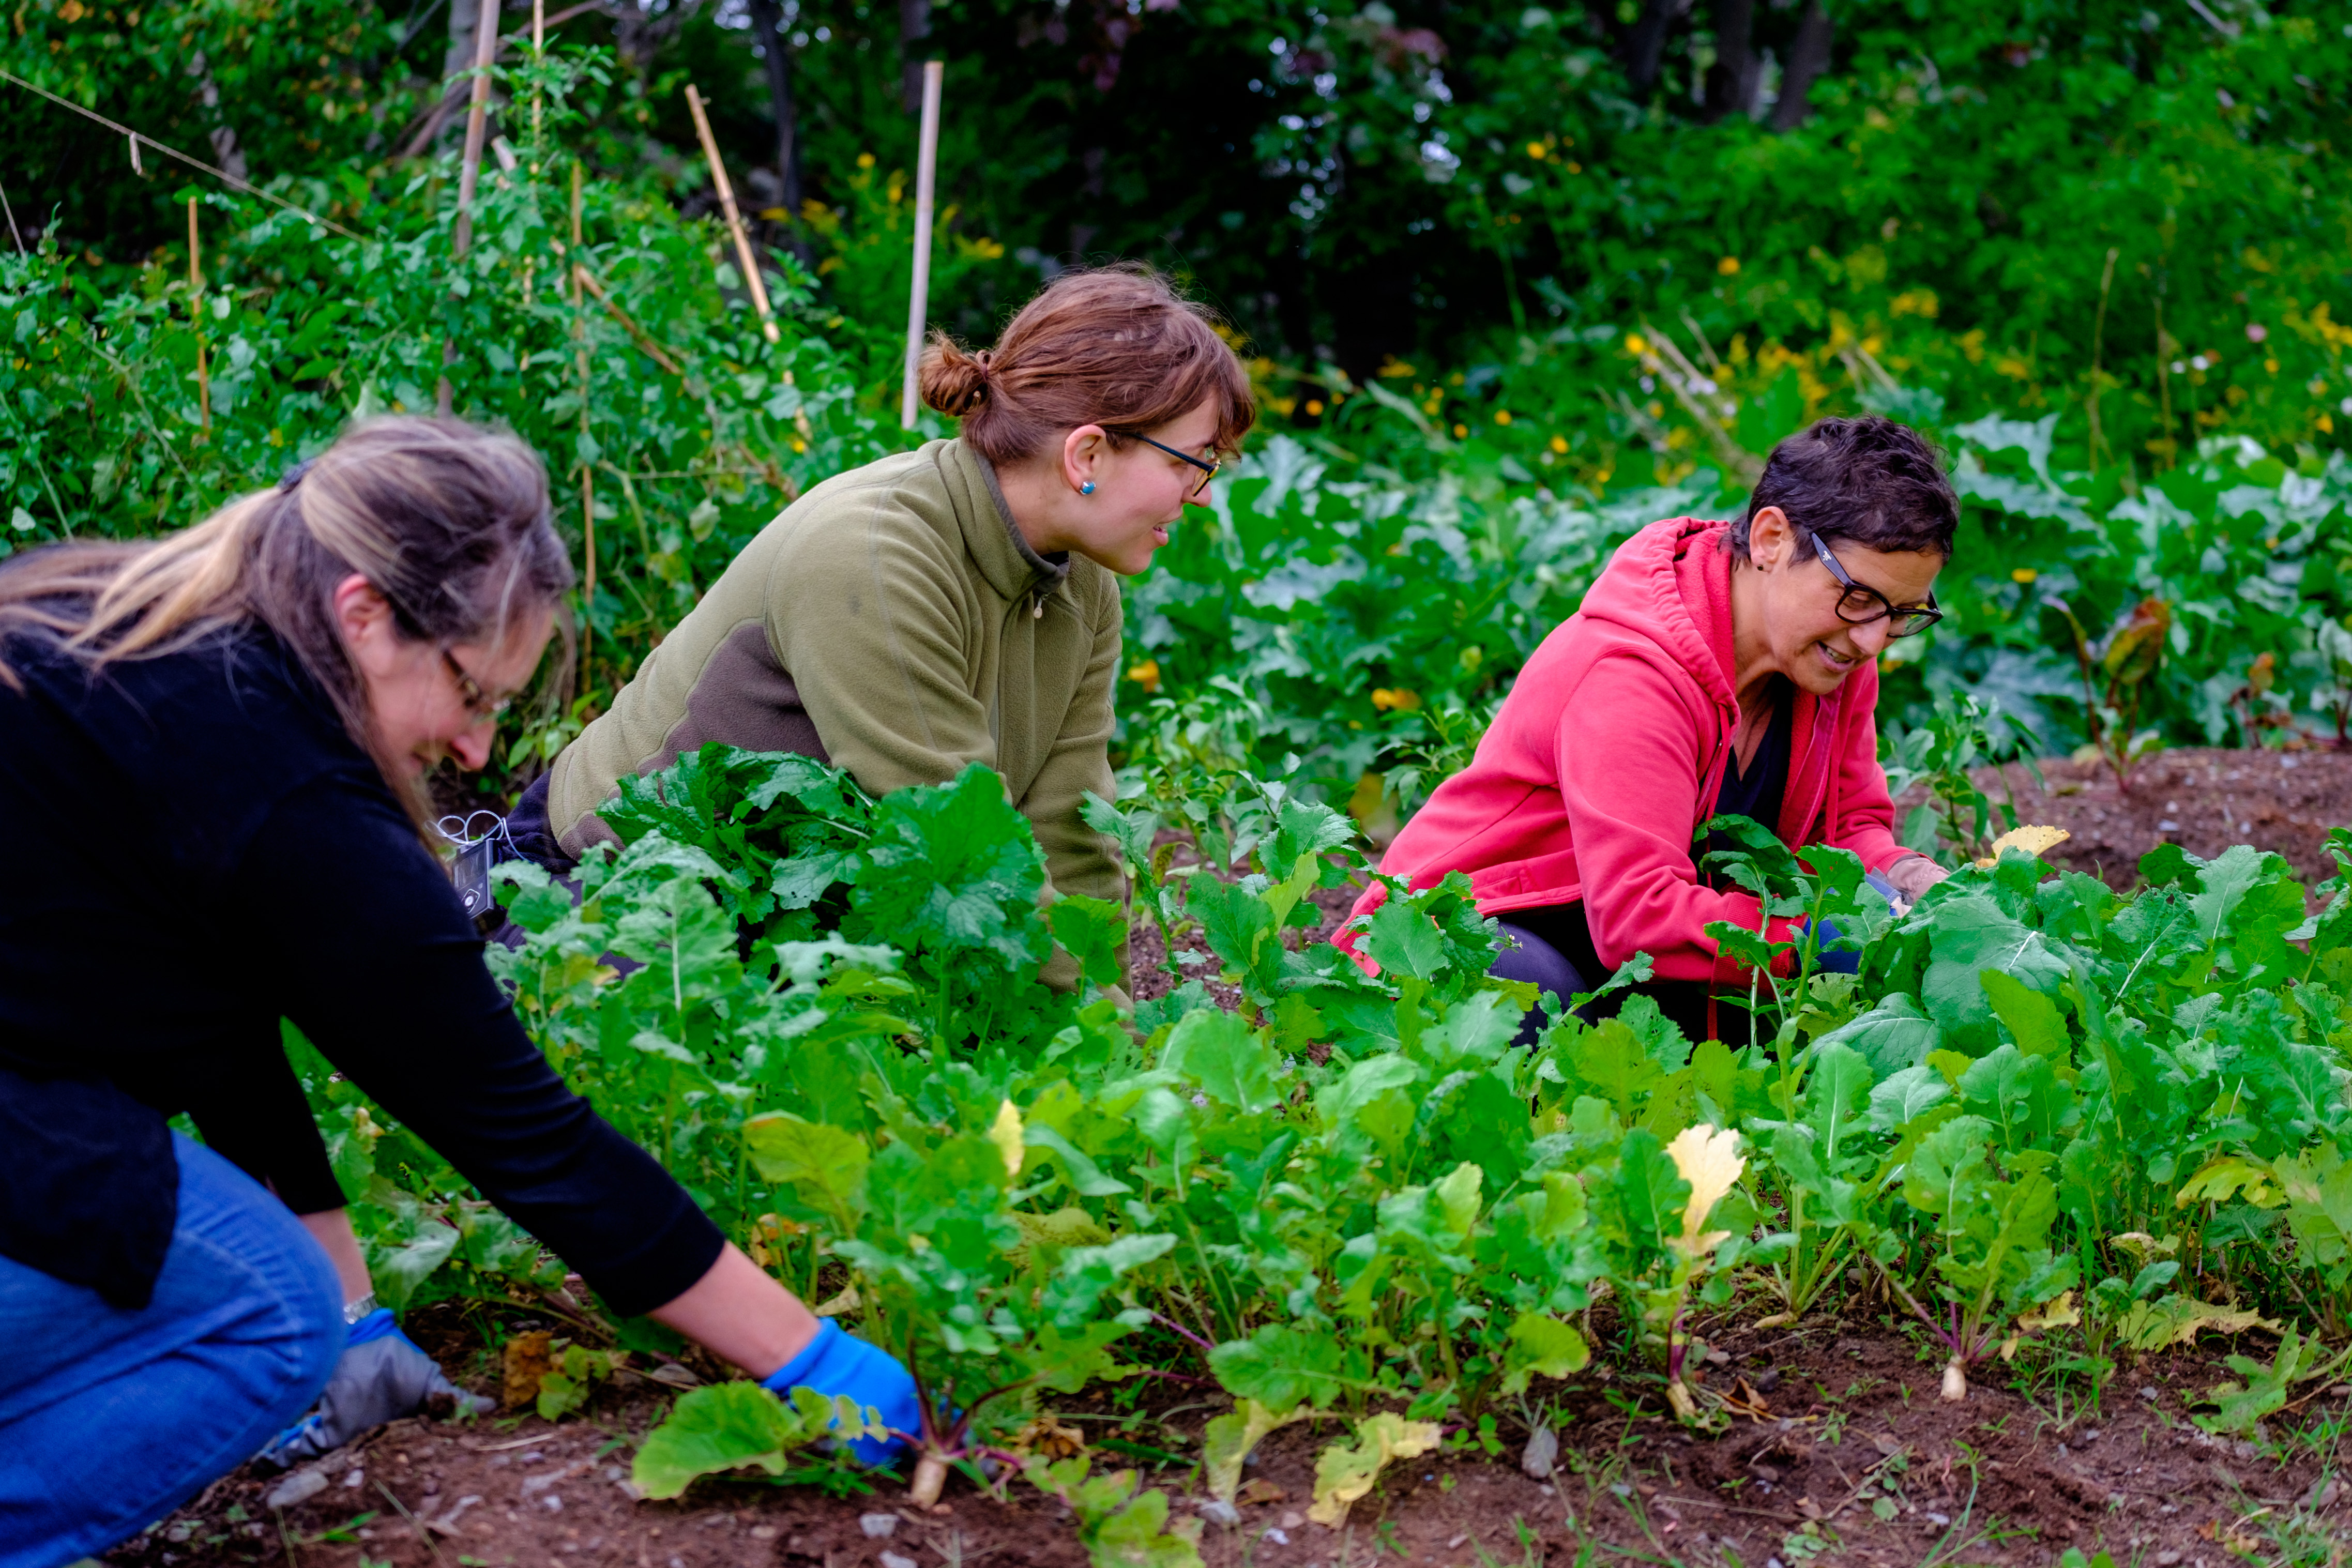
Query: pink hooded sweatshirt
[{"x": 1607, "y": 756}]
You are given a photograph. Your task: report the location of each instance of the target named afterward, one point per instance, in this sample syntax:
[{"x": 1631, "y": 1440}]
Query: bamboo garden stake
[
  {"x": 752, "y": 278},
  {"x": 927, "y": 160},
  {"x": 2098, "y": 335},
  {"x": 538, "y": 60},
  {"x": 470, "y": 172},
  {"x": 196, "y": 315},
  {"x": 587, "y": 469}
]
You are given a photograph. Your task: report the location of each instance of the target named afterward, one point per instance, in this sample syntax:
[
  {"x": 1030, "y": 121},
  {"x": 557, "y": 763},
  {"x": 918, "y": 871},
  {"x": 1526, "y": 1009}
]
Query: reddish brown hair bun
[{"x": 1112, "y": 345}]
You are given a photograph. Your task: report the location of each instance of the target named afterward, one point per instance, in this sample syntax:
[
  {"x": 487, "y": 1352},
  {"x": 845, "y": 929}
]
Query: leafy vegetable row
[{"x": 2039, "y": 1109}]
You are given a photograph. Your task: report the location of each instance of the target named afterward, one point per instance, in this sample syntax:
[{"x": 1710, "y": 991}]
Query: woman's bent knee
[{"x": 126, "y": 1414}]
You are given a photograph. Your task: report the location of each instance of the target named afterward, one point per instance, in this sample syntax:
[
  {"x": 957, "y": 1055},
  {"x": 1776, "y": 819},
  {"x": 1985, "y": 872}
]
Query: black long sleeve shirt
[{"x": 195, "y": 848}]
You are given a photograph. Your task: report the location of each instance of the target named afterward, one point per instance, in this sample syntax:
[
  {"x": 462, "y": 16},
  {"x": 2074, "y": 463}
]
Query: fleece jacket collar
[{"x": 1006, "y": 563}]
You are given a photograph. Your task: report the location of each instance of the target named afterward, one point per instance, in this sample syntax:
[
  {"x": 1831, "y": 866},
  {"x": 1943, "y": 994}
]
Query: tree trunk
[
  {"x": 1737, "y": 74},
  {"x": 1645, "y": 46},
  {"x": 914, "y": 27},
  {"x": 1809, "y": 57},
  {"x": 767, "y": 20}
]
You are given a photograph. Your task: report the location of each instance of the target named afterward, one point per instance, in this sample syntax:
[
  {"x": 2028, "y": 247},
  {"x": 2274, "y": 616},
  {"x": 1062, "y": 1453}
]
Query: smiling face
[
  {"x": 1139, "y": 491},
  {"x": 1790, "y": 610},
  {"x": 419, "y": 705}
]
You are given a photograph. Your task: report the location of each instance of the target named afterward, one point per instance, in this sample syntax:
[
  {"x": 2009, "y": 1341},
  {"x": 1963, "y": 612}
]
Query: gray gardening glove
[{"x": 383, "y": 1376}]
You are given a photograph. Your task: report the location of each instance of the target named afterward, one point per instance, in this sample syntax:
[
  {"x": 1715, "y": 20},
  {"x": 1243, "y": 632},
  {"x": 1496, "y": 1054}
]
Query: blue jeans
[{"x": 111, "y": 1419}]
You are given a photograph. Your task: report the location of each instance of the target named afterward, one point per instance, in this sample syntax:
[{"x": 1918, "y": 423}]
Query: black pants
[{"x": 1554, "y": 952}]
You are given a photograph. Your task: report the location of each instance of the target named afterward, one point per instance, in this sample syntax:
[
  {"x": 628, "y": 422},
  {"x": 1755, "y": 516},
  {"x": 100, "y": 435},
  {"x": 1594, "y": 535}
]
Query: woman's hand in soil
[
  {"x": 834, "y": 1364},
  {"x": 383, "y": 1376}
]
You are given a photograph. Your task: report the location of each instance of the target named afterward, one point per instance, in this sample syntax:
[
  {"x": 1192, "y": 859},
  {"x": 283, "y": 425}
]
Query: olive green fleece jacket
[{"x": 890, "y": 621}]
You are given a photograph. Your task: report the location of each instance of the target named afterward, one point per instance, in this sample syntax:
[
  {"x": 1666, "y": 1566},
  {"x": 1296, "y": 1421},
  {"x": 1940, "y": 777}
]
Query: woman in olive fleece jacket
[{"x": 954, "y": 604}]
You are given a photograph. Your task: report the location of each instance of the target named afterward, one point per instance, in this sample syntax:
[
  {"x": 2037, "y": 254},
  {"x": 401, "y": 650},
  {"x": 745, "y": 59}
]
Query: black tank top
[{"x": 1756, "y": 792}]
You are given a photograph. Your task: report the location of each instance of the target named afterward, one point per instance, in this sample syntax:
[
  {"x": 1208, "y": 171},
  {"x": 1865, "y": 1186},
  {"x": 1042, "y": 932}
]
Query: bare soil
[
  {"x": 1840, "y": 1451},
  {"x": 2203, "y": 800}
]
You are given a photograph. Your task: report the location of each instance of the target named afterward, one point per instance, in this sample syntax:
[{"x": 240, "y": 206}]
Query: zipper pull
[{"x": 1037, "y": 607}]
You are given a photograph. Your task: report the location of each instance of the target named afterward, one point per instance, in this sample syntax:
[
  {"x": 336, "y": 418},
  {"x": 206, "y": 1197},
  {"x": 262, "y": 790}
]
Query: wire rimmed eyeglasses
[
  {"x": 479, "y": 703},
  {"x": 1860, "y": 605}
]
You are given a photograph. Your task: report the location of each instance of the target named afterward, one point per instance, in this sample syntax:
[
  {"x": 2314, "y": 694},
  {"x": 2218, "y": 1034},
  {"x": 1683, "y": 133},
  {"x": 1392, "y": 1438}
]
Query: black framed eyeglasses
[
  {"x": 1208, "y": 467},
  {"x": 479, "y": 703},
  {"x": 1859, "y": 606}
]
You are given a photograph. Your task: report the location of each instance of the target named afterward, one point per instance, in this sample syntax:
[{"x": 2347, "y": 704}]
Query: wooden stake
[
  {"x": 587, "y": 470},
  {"x": 643, "y": 339},
  {"x": 538, "y": 60},
  {"x": 470, "y": 169},
  {"x": 196, "y": 315},
  {"x": 927, "y": 160},
  {"x": 752, "y": 278},
  {"x": 2164, "y": 382},
  {"x": 2098, "y": 333}
]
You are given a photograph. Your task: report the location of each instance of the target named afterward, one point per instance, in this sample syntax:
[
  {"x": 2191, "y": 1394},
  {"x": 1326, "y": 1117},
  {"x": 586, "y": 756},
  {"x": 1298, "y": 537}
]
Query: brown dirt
[
  {"x": 1849, "y": 1417},
  {"x": 2202, "y": 799}
]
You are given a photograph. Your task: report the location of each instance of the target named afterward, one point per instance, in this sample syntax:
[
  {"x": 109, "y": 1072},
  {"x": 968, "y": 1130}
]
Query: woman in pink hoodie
[{"x": 1715, "y": 668}]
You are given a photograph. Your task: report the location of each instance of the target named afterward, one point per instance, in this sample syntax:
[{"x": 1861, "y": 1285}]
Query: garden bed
[
  {"x": 1845, "y": 1453},
  {"x": 2202, "y": 799}
]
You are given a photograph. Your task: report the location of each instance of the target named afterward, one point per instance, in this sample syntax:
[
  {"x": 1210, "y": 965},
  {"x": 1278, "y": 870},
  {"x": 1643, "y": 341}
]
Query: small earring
[{"x": 1087, "y": 488}]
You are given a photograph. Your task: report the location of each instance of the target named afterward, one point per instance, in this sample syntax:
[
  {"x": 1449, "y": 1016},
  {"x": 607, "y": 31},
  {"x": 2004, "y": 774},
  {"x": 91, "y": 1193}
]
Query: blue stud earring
[{"x": 1087, "y": 488}]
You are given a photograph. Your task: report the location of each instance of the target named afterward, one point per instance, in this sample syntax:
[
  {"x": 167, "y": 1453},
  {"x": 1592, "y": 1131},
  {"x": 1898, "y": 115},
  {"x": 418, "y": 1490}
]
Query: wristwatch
[{"x": 354, "y": 1310}]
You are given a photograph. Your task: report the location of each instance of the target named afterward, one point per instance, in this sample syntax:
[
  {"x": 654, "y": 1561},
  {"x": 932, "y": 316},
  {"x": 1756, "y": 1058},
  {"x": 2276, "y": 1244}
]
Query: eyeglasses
[
  {"x": 1859, "y": 606},
  {"x": 1208, "y": 468},
  {"x": 479, "y": 703}
]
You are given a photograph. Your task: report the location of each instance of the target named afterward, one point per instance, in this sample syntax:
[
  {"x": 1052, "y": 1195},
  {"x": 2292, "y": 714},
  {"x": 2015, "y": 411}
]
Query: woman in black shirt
[{"x": 211, "y": 756}]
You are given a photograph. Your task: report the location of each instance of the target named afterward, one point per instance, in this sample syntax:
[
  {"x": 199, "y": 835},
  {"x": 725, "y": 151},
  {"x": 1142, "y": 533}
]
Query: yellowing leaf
[
  {"x": 1228, "y": 1440},
  {"x": 1005, "y": 1134},
  {"x": 2217, "y": 1179},
  {"x": 2144, "y": 1248},
  {"x": 1343, "y": 1474},
  {"x": 2033, "y": 840},
  {"x": 1709, "y": 1158},
  {"x": 2177, "y": 1320},
  {"x": 2059, "y": 1313}
]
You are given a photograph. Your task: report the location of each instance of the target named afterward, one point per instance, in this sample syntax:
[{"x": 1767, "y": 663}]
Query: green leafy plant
[{"x": 738, "y": 1425}]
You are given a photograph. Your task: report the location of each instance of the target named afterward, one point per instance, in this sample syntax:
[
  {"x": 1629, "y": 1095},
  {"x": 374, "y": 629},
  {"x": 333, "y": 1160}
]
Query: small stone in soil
[
  {"x": 893, "y": 1560},
  {"x": 877, "y": 1526},
  {"x": 300, "y": 1487}
]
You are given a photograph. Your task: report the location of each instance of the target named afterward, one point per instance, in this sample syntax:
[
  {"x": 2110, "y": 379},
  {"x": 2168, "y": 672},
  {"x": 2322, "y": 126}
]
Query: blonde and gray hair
[{"x": 449, "y": 522}]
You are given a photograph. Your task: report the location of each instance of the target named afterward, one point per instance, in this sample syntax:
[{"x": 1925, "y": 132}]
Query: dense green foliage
[
  {"x": 1352, "y": 179},
  {"x": 1932, "y": 244},
  {"x": 2041, "y": 1112}
]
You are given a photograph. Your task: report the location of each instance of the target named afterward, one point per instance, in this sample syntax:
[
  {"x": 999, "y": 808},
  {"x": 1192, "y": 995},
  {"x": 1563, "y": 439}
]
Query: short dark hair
[{"x": 1869, "y": 480}]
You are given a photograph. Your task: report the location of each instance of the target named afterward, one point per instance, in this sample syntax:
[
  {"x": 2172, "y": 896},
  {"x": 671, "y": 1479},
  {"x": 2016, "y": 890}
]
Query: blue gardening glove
[
  {"x": 836, "y": 1365},
  {"x": 383, "y": 1376},
  {"x": 1844, "y": 961},
  {"x": 1848, "y": 962}
]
